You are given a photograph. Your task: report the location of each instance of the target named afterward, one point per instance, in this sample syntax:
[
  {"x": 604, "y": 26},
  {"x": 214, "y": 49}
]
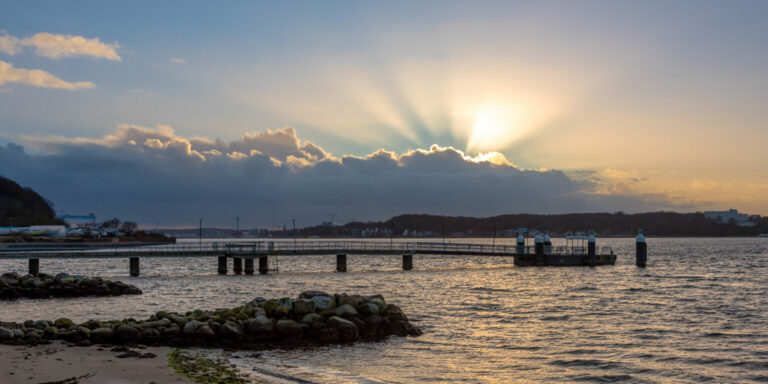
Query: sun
[{"x": 493, "y": 128}]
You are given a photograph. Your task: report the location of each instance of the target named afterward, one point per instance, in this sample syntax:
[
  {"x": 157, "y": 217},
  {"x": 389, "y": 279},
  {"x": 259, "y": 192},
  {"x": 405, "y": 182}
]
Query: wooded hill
[
  {"x": 24, "y": 206},
  {"x": 606, "y": 224}
]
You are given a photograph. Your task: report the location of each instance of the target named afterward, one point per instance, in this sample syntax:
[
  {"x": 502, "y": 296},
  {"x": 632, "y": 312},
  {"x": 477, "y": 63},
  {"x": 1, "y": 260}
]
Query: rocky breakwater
[
  {"x": 313, "y": 318},
  {"x": 13, "y": 286}
]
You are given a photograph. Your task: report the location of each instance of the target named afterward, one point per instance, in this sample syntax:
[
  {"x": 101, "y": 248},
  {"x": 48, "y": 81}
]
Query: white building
[{"x": 725, "y": 217}]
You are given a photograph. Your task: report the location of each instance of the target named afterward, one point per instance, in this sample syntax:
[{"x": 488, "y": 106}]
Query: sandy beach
[{"x": 57, "y": 363}]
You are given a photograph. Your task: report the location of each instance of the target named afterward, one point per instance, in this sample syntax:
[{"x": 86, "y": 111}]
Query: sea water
[{"x": 698, "y": 312}]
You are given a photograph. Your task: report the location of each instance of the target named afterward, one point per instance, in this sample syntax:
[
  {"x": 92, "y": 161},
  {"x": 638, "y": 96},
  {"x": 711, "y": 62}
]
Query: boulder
[
  {"x": 311, "y": 294},
  {"x": 269, "y": 306},
  {"x": 303, "y": 306},
  {"x": 5, "y": 334},
  {"x": 353, "y": 300},
  {"x": 347, "y": 329},
  {"x": 323, "y": 303},
  {"x": 191, "y": 326},
  {"x": 260, "y": 327},
  {"x": 63, "y": 323},
  {"x": 10, "y": 278},
  {"x": 345, "y": 310},
  {"x": 379, "y": 302},
  {"x": 40, "y": 324},
  {"x": 206, "y": 332},
  {"x": 284, "y": 307},
  {"x": 326, "y": 335},
  {"x": 127, "y": 334},
  {"x": 102, "y": 335},
  {"x": 231, "y": 331},
  {"x": 373, "y": 327},
  {"x": 75, "y": 334},
  {"x": 311, "y": 318},
  {"x": 398, "y": 328},
  {"x": 289, "y": 329},
  {"x": 368, "y": 309}
]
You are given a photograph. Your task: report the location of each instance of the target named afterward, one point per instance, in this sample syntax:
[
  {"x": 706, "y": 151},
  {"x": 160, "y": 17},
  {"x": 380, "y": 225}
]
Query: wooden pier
[{"x": 265, "y": 251}]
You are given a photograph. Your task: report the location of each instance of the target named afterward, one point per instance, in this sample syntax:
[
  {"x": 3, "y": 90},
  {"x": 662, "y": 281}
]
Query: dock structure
[{"x": 267, "y": 253}]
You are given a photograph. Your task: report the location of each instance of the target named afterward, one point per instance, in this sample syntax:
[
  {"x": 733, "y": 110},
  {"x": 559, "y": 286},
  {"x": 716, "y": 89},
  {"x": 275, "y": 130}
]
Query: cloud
[
  {"x": 273, "y": 176},
  {"x": 9, "y": 45},
  {"x": 37, "y": 78},
  {"x": 176, "y": 60},
  {"x": 55, "y": 46}
]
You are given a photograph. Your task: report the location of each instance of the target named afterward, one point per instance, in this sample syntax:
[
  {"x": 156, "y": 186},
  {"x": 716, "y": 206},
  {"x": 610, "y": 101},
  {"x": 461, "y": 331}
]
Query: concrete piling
[
  {"x": 591, "y": 250},
  {"x": 641, "y": 250},
  {"x": 407, "y": 262},
  {"x": 263, "y": 265},
  {"x": 249, "y": 266},
  {"x": 34, "y": 266},
  {"x": 538, "y": 242},
  {"x": 237, "y": 265},
  {"x": 222, "y": 265},
  {"x": 520, "y": 249},
  {"x": 133, "y": 266},
  {"x": 341, "y": 263}
]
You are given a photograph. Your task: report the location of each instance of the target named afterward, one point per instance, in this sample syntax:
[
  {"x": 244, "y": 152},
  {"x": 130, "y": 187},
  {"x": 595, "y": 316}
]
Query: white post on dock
[{"x": 641, "y": 250}]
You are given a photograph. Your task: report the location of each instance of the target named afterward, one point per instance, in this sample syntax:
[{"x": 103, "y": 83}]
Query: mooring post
[
  {"x": 237, "y": 265},
  {"x": 520, "y": 244},
  {"x": 249, "y": 266},
  {"x": 591, "y": 250},
  {"x": 547, "y": 244},
  {"x": 263, "y": 265},
  {"x": 407, "y": 262},
  {"x": 34, "y": 266},
  {"x": 341, "y": 263},
  {"x": 133, "y": 266},
  {"x": 222, "y": 265},
  {"x": 538, "y": 242},
  {"x": 641, "y": 249}
]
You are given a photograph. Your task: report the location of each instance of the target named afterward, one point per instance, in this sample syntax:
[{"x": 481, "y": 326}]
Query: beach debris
[{"x": 201, "y": 369}]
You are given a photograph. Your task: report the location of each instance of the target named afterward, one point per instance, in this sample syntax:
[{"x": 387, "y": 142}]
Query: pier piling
[
  {"x": 591, "y": 250},
  {"x": 237, "y": 265},
  {"x": 407, "y": 262},
  {"x": 263, "y": 265},
  {"x": 539, "y": 249},
  {"x": 249, "y": 266},
  {"x": 133, "y": 266},
  {"x": 641, "y": 250},
  {"x": 520, "y": 244},
  {"x": 341, "y": 263},
  {"x": 222, "y": 265},
  {"x": 34, "y": 266}
]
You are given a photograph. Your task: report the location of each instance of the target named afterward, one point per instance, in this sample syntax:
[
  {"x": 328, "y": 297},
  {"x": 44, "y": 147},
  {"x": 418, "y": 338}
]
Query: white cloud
[
  {"x": 177, "y": 60},
  {"x": 9, "y": 44},
  {"x": 58, "y": 46},
  {"x": 55, "y": 46},
  {"x": 37, "y": 78}
]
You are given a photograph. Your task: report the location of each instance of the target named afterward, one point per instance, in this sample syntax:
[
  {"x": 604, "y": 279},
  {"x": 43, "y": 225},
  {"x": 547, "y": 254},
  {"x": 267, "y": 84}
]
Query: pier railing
[{"x": 281, "y": 247}]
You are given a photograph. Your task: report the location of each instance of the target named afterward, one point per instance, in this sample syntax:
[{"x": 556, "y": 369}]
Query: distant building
[{"x": 731, "y": 215}]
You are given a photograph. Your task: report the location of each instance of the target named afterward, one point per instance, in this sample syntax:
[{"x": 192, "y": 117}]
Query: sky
[{"x": 166, "y": 112}]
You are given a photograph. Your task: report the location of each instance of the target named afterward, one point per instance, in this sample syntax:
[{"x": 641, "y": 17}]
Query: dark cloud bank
[{"x": 154, "y": 176}]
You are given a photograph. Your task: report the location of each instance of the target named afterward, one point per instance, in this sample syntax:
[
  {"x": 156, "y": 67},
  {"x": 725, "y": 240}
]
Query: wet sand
[{"x": 57, "y": 362}]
